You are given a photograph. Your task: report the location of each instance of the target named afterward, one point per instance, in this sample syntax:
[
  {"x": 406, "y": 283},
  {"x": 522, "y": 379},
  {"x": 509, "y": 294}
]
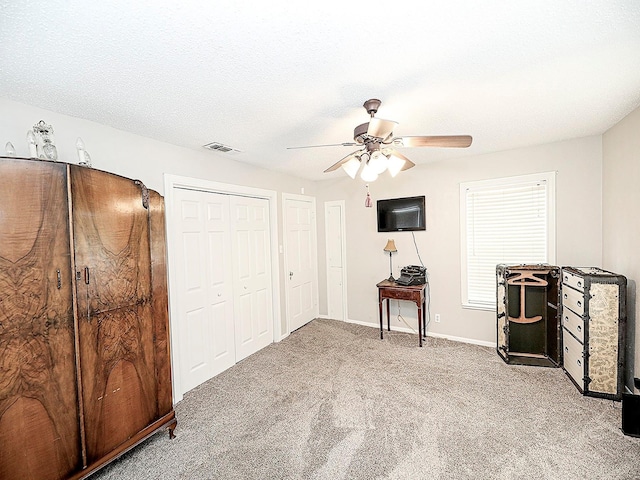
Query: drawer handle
[
  {"x": 579, "y": 328},
  {"x": 579, "y": 303},
  {"x": 579, "y": 283},
  {"x": 565, "y": 296},
  {"x": 566, "y": 318},
  {"x": 566, "y": 278},
  {"x": 579, "y": 363},
  {"x": 566, "y": 349}
]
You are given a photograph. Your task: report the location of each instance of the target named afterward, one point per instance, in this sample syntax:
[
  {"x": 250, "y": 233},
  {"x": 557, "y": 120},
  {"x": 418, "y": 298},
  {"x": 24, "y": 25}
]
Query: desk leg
[
  {"x": 424, "y": 319},
  {"x": 420, "y": 323},
  {"x": 388, "y": 316},
  {"x": 380, "y": 300}
]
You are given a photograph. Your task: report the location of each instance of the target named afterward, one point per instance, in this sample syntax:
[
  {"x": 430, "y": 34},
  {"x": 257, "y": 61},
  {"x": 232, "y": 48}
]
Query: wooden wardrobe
[{"x": 84, "y": 343}]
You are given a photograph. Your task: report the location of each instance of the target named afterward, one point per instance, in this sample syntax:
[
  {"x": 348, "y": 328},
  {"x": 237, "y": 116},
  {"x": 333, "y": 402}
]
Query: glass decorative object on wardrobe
[{"x": 48, "y": 149}]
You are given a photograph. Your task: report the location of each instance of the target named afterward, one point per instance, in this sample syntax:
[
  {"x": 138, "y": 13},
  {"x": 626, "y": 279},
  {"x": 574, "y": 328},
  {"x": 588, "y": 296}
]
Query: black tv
[{"x": 401, "y": 214}]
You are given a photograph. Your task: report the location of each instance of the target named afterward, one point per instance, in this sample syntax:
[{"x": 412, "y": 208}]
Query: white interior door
[
  {"x": 336, "y": 261},
  {"x": 300, "y": 260},
  {"x": 204, "y": 284},
  {"x": 251, "y": 274}
]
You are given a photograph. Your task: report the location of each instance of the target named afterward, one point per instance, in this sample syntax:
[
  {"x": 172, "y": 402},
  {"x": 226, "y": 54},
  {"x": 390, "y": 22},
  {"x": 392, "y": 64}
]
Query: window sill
[{"x": 487, "y": 308}]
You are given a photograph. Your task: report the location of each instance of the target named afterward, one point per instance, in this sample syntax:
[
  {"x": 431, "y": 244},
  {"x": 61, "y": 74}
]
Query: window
[{"x": 506, "y": 220}]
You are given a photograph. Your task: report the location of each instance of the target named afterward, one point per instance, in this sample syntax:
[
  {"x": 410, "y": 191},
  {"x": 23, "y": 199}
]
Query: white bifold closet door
[
  {"x": 223, "y": 281},
  {"x": 251, "y": 249}
]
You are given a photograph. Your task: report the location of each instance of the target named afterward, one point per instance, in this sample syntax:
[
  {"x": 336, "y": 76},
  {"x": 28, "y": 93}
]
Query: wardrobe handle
[
  {"x": 59, "y": 276},
  {"x": 86, "y": 275}
]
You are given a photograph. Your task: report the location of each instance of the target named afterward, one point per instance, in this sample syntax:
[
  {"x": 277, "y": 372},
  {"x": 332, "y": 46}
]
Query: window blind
[{"x": 505, "y": 223}]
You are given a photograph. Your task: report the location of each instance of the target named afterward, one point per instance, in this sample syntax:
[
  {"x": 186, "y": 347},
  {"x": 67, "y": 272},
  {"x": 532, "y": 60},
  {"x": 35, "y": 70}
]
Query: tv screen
[{"x": 401, "y": 214}]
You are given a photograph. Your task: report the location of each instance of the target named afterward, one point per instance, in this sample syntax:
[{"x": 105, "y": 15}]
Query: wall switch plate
[{"x": 437, "y": 318}]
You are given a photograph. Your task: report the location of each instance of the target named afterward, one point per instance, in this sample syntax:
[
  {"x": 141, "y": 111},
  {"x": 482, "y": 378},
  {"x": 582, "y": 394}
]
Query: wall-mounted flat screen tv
[{"x": 401, "y": 214}]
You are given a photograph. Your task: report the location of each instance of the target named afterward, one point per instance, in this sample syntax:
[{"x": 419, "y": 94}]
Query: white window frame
[{"x": 550, "y": 179}]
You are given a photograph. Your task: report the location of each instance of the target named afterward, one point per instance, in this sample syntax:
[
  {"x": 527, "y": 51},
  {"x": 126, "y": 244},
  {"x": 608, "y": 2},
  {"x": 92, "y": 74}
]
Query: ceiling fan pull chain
[{"x": 367, "y": 201}]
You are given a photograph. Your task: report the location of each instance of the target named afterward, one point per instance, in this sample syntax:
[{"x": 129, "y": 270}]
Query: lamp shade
[
  {"x": 390, "y": 246},
  {"x": 378, "y": 162},
  {"x": 368, "y": 174},
  {"x": 351, "y": 167},
  {"x": 395, "y": 164}
]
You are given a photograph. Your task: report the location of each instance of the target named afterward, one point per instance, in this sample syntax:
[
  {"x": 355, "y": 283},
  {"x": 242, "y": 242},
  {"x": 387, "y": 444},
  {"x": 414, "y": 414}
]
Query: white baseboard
[{"x": 471, "y": 341}]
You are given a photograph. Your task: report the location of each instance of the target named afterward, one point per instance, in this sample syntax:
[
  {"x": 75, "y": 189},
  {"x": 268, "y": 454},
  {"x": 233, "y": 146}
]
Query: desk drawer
[
  {"x": 574, "y": 300},
  {"x": 574, "y": 323},
  {"x": 398, "y": 294}
]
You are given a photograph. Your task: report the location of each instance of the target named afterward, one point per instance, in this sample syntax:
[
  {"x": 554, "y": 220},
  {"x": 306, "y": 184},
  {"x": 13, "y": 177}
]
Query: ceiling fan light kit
[
  {"x": 376, "y": 156},
  {"x": 368, "y": 174},
  {"x": 351, "y": 167},
  {"x": 395, "y": 165}
]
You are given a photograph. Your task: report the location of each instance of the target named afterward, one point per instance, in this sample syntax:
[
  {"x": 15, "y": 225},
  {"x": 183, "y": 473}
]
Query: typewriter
[{"x": 412, "y": 275}]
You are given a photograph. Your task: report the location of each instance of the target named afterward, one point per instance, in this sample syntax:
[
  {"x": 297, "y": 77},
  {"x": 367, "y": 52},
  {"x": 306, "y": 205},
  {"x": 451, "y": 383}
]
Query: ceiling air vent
[{"x": 218, "y": 147}]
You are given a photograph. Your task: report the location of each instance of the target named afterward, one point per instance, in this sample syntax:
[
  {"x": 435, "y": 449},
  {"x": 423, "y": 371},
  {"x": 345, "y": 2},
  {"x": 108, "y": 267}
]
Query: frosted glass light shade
[
  {"x": 395, "y": 164},
  {"x": 368, "y": 174},
  {"x": 378, "y": 162},
  {"x": 351, "y": 167}
]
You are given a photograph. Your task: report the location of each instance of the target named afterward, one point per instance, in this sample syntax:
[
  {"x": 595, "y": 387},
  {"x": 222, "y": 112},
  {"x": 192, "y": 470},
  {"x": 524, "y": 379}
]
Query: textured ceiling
[{"x": 262, "y": 76}]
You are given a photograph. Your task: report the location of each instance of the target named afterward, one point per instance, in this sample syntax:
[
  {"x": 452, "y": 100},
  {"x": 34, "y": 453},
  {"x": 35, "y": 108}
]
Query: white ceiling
[{"x": 262, "y": 76}]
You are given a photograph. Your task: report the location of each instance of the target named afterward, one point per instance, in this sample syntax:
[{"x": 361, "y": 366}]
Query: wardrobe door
[
  {"x": 116, "y": 330},
  {"x": 159, "y": 295},
  {"x": 39, "y": 426}
]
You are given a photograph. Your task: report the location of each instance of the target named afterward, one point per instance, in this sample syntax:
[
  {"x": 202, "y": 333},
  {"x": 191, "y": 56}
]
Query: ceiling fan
[{"x": 378, "y": 153}]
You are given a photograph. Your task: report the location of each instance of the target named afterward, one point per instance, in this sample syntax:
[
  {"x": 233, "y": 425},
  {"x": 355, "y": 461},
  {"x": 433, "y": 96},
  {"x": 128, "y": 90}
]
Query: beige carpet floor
[{"x": 333, "y": 401}]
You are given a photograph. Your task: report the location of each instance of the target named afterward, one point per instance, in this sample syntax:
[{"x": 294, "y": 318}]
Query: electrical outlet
[{"x": 437, "y": 318}]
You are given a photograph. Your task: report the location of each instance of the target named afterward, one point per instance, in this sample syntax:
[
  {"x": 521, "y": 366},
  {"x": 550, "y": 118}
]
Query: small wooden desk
[{"x": 414, "y": 293}]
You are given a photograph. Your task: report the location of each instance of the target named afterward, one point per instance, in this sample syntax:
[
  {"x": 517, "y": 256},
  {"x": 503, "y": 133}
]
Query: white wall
[
  {"x": 140, "y": 157},
  {"x": 579, "y": 212},
  {"x": 579, "y": 218},
  {"x": 621, "y": 224}
]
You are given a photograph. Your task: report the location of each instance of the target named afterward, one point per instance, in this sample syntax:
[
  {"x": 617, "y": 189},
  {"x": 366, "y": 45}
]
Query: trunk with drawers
[
  {"x": 528, "y": 324},
  {"x": 593, "y": 321}
]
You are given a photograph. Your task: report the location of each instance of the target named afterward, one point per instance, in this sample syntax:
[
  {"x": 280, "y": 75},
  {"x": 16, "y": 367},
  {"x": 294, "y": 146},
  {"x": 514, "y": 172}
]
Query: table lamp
[{"x": 390, "y": 247}]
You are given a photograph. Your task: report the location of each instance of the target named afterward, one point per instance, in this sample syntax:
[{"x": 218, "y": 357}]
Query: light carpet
[{"x": 333, "y": 401}]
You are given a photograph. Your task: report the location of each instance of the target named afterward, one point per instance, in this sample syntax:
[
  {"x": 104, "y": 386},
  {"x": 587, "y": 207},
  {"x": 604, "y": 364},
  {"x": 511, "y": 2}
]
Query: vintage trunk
[
  {"x": 528, "y": 325},
  {"x": 594, "y": 323},
  {"x": 84, "y": 351}
]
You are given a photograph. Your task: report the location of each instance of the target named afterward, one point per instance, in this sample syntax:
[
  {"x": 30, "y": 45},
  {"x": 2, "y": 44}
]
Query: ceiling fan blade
[
  {"x": 339, "y": 163},
  {"x": 459, "y": 141},
  {"x": 407, "y": 163},
  {"x": 345, "y": 144},
  {"x": 380, "y": 128}
]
